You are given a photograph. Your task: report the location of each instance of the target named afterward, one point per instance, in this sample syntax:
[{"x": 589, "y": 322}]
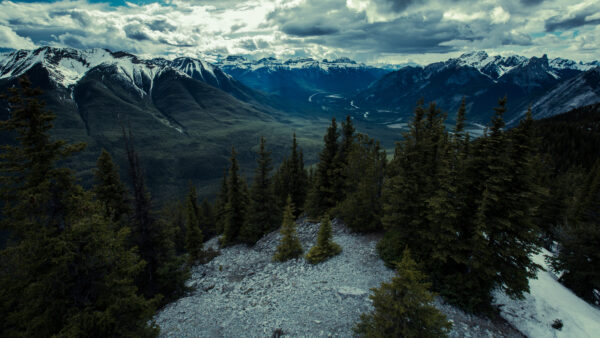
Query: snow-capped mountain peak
[
  {"x": 272, "y": 64},
  {"x": 67, "y": 66}
]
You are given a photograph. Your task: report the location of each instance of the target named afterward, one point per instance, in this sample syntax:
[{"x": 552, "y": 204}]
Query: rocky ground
[{"x": 242, "y": 293}]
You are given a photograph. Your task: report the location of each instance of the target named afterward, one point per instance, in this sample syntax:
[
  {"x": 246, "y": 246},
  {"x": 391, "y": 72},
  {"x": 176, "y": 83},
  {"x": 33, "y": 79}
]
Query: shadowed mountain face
[
  {"x": 294, "y": 81},
  {"x": 479, "y": 78},
  {"x": 183, "y": 125}
]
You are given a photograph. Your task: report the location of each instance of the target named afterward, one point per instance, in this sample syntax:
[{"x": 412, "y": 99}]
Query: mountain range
[
  {"x": 481, "y": 79},
  {"x": 186, "y": 113},
  {"x": 294, "y": 81}
]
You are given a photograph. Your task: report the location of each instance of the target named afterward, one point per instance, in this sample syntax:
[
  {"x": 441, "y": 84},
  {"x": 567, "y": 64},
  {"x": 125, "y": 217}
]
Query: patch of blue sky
[
  {"x": 114, "y": 3},
  {"x": 538, "y": 35}
]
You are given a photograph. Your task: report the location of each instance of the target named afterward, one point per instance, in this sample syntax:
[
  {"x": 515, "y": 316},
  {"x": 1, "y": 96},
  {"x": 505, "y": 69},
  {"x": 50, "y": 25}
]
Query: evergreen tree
[
  {"x": 262, "y": 211},
  {"x": 291, "y": 179},
  {"x": 403, "y": 308},
  {"x": 579, "y": 257},
  {"x": 236, "y": 204},
  {"x": 414, "y": 178},
  {"x": 163, "y": 275},
  {"x": 208, "y": 222},
  {"x": 506, "y": 230},
  {"x": 194, "y": 239},
  {"x": 325, "y": 247},
  {"x": 322, "y": 196},
  {"x": 174, "y": 212},
  {"x": 289, "y": 247},
  {"x": 109, "y": 190},
  {"x": 361, "y": 210},
  {"x": 341, "y": 184},
  {"x": 221, "y": 204},
  {"x": 65, "y": 271}
]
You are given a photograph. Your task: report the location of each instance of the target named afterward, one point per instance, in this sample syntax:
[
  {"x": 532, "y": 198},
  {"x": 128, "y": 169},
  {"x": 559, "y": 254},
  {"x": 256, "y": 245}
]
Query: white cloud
[
  {"x": 10, "y": 39},
  {"x": 368, "y": 30},
  {"x": 499, "y": 15}
]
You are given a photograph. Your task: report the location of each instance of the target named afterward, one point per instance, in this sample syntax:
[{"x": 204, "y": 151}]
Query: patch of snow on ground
[
  {"x": 242, "y": 293},
  {"x": 549, "y": 300}
]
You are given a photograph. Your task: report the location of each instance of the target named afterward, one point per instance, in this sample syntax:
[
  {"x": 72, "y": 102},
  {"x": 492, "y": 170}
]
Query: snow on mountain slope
[
  {"x": 581, "y": 90},
  {"x": 66, "y": 66},
  {"x": 271, "y": 63},
  {"x": 548, "y": 301},
  {"x": 497, "y": 66}
]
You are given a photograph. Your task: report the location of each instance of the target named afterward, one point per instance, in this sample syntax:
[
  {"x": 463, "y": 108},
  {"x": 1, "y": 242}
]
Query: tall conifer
[
  {"x": 194, "y": 239},
  {"x": 109, "y": 189},
  {"x": 262, "y": 211},
  {"x": 236, "y": 204},
  {"x": 361, "y": 210},
  {"x": 322, "y": 196},
  {"x": 163, "y": 275}
]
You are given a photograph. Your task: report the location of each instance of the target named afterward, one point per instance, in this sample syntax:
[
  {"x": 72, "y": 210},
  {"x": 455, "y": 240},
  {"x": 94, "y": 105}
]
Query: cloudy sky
[{"x": 392, "y": 31}]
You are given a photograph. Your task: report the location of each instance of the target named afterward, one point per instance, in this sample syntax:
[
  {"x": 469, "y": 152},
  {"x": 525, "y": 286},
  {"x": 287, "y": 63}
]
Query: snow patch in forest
[{"x": 549, "y": 300}]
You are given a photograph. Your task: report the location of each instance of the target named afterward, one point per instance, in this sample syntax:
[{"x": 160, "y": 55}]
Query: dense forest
[{"x": 460, "y": 216}]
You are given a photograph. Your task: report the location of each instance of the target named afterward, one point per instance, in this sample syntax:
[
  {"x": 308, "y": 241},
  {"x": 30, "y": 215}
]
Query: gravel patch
[{"x": 242, "y": 293}]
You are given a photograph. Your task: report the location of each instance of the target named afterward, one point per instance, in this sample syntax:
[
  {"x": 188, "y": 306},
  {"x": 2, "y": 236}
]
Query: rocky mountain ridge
[{"x": 478, "y": 77}]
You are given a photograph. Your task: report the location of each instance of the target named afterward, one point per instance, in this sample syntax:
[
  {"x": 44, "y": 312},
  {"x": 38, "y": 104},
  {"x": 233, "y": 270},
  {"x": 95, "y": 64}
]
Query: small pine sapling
[
  {"x": 325, "y": 247},
  {"x": 289, "y": 247},
  {"x": 403, "y": 307}
]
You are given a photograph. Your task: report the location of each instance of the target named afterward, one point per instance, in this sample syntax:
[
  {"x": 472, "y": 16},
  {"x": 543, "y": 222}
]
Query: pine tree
[
  {"x": 221, "y": 204},
  {"x": 322, "y": 196},
  {"x": 414, "y": 173},
  {"x": 325, "y": 247},
  {"x": 65, "y": 271},
  {"x": 194, "y": 239},
  {"x": 163, "y": 275},
  {"x": 289, "y": 247},
  {"x": 341, "y": 184},
  {"x": 208, "y": 222},
  {"x": 579, "y": 257},
  {"x": 174, "y": 212},
  {"x": 109, "y": 189},
  {"x": 361, "y": 210},
  {"x": 291, "y": 179},
  {"x": 502, "y": 233},
  {"x": 403, "y": 308},
  {"x": 236, "y": 204},
  {"x": 262, "y": 210}
]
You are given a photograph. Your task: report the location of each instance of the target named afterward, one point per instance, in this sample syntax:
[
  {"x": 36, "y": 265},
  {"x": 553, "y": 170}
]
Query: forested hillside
[{"x": 461, "y": 217}]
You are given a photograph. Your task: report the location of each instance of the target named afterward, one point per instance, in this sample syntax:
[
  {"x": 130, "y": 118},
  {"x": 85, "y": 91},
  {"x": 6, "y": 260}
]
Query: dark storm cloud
[
  {"x": 238, "y": 26},
  {"x": 400, "y": 5},
  {"x": 299, "y": 29},
  {"x": 531, "y": 2},
  {"x": 422, "y": 31},
  {"x": 136, "y": 32},
  {"x": 579, "y": 19},
  {"x": 83, "y": 18},
  {"x": 403, "y": 35},
  {"x": 161, "y": 25},
  {"x": 249, "y": 45}
]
